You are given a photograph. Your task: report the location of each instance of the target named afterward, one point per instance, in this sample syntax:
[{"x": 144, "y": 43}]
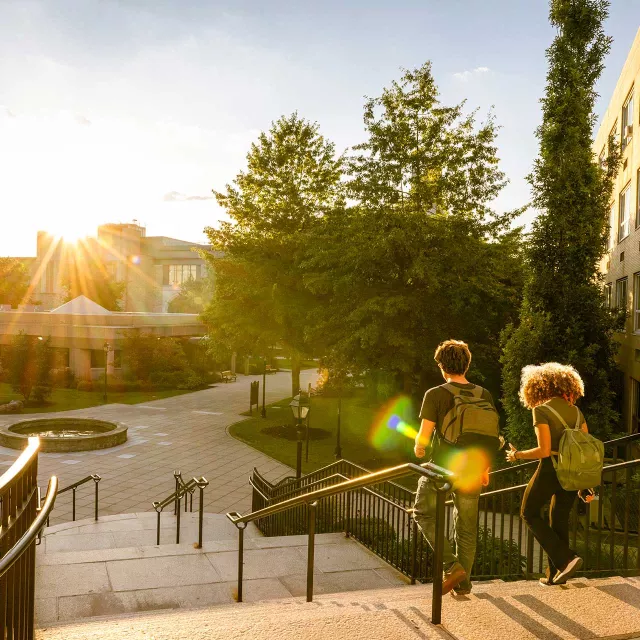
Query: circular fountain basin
[{"x": 59, "y": 435}]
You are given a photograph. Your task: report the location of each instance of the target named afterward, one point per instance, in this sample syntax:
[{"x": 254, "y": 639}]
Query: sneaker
[
  {"x": 453, "y": 576},
  {"x": 458, "y": 592},
  {"x": 573, "y": 566}
]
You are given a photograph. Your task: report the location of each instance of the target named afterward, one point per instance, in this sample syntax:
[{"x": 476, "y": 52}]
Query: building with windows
[
  {"x": 622, "y": 263},
  {"x": 152, "y": 268}
]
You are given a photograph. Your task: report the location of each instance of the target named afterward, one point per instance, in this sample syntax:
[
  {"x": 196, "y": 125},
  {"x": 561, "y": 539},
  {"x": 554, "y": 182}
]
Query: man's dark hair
[{"x": 453, "y": 356}]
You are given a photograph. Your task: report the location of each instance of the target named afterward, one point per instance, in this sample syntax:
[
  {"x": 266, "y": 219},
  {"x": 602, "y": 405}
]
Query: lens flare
[
  {"x": 470, "y": 468},
  {"x": 395, "y": 417}
]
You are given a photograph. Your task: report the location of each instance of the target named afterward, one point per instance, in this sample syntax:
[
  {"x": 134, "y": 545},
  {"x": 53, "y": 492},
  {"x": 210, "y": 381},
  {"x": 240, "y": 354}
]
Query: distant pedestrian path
[{"x": 186, "y": 433}]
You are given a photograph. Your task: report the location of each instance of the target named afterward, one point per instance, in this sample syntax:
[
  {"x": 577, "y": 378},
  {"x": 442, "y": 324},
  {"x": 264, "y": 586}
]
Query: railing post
[
  {"x": 96, "y": 480},
  {"x": 311, "y": 549},
  {"x": 73, "y": 508},
  {"x": 176, "y": 475},
  {"x": 158, "y": 529},
  {"x": 178, "y": 519},
  {"x": 241, "y": 528},
  {"x": 202, "y": 483},
  {"x": 414, "y": 551},
  {"x": 347, "y": 517},
  {"x": 436, "y": 602}
]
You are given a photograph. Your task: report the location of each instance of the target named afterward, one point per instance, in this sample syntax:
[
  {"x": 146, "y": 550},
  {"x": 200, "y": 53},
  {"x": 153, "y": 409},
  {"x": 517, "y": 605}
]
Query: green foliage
[
  {"x": 161, "y": 362},
  {"x": 563, "y": 317},
  {"x": 419, "y": 257},
  {"x": 193, "y": 297},
  {"x": 14, "y": 282},
  {"x": 292, "y": 180},
  {"x": 31, "y": 361},
  {"x": 497, "y": 557}
]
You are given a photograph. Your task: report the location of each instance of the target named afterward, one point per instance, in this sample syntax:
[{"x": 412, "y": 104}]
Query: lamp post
[
  {"x": 106, "y": 348},
  {"x": 300, "y": 409},
  {"x": 264, "y": 387}
]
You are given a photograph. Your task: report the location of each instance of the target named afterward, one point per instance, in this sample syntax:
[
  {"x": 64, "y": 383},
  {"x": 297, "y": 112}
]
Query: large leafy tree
[
  {"x": 14, "y": 281},
  {"x": 419, "y": 256},
  {"x": 292, "y": 180},
  {"x": 193, "y": 297},
  {"x": 563, "y": 316}
]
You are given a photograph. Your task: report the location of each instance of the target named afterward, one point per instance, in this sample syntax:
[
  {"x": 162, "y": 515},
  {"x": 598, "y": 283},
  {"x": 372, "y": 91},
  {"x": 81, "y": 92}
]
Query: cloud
[
  {"x": 80, "y": 119},
  {"x": 176, "y": 196},
  {"x": 465, "y": 76}
]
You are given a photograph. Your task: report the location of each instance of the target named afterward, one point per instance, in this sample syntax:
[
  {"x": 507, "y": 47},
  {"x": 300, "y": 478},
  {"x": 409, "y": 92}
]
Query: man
[{"x": 460, "y": 426}]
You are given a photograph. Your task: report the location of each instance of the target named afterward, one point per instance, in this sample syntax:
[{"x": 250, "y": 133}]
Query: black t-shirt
[{"x": 437, "y": 402}]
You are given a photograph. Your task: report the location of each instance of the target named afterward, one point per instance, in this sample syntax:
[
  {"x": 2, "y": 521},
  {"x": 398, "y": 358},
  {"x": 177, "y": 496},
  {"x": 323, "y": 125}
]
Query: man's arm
[{"x": 424, "y": 437}]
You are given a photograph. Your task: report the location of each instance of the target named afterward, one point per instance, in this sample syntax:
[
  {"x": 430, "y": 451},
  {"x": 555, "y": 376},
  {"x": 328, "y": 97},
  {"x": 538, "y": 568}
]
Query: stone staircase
[
  {"x": 86, "y": 568},
  {"x": 585, "y": 609}
]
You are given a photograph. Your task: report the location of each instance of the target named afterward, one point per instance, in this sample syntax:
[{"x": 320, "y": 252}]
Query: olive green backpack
[{"x": 580, "y": 456}]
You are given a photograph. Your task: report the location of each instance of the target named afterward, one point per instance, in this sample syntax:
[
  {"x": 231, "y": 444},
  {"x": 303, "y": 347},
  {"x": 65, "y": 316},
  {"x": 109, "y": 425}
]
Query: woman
[{"x": 550, "y": 390}]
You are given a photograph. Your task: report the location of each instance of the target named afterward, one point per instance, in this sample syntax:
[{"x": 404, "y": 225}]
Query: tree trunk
[{"x": 295, "y": 374}]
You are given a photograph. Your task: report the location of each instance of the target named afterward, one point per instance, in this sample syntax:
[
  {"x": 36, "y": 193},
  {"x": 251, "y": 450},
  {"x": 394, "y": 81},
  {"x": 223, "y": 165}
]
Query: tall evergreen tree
[{"x": 563, "y": 316}]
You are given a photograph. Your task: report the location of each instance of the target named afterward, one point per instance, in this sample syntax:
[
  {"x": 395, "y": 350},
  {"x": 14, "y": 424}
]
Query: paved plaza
[{"x": 186, "y": 432}]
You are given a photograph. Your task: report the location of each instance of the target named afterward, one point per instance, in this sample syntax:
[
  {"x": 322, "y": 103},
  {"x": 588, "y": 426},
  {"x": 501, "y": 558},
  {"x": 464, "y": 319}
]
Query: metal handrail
[
  {"x": 16, "y": 468},
  {"x": 441, "y": 477},
  {"x": 182, "y": 489},
  {"x": 31, "y": 534},
  {"x": 72, "y": 487},
  {"x": 614, "y": 442}
]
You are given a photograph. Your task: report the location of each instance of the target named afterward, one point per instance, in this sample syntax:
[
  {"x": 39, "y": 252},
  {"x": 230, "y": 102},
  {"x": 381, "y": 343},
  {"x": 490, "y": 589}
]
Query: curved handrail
[
  {"x": 94, "y": 476},
  {"x": 16, "y": 468},
  {"x": 426, "y": 469},
  {"x": 30, "y": 535}
]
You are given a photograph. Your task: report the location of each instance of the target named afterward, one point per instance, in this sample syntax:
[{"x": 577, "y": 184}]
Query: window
[
  {"x": 179, "y": 273},
  {"x": 627, "y": 120},
  {"x": 612, "y": 226},
  {"x": 607, "y": 295},
  {"x": 625, "y": 213},
  {"x": 621, "y": 294},
  {"x": 636, "y": 302}
]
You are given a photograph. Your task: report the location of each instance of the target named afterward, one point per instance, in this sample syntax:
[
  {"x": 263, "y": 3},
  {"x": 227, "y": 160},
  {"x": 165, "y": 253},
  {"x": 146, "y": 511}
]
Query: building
[
  {"x": 152, "y": 268},
  {"x": 622, "y": 264},
  {"x": 80, "y": 328}
]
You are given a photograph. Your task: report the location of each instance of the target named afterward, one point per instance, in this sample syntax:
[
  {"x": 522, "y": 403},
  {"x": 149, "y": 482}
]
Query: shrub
[
  {"x": 41, "y": 393},
  {"x": 85, "y": 385},
  {"x": 495, "y": 556},
  {"x": 31, "y": 363},
  {"x": 63, "y": 378}
]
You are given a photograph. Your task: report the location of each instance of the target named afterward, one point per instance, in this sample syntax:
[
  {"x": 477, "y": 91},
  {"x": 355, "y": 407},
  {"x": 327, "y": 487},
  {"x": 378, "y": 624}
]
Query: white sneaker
[{"x": 573, "y": 566}]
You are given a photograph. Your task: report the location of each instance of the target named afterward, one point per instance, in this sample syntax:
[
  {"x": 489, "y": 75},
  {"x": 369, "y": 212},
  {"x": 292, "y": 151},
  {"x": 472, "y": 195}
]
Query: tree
[
  {"x": 292, "y": 181},
  {"x": 85, "y": 274},
  {"x": 563, "y": 316},
  {"x": 193, "y": 297},
  {"x": 31, "y": 361},
  {"x": 14, "y": 281},
  {"x": 419, "y": 256}
]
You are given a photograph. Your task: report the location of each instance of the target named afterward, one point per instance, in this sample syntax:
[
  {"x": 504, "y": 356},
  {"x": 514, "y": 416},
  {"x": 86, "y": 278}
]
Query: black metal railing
[
  {"x": 183, "y": 490},
  {"x": 73, "y": 488},
  {"x": 337, "y": 501},
  {"x": 604, "y": 532},
  {"x": 21, "y": 520}
]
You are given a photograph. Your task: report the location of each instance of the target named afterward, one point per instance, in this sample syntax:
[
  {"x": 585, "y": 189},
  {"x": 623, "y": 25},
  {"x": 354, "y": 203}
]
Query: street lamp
[
  {"x": 106, "y": 348},
  {"x": 300, "y": 409}
]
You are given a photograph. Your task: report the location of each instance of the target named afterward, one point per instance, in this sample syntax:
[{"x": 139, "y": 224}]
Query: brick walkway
[{"x": 187, "y": 432}]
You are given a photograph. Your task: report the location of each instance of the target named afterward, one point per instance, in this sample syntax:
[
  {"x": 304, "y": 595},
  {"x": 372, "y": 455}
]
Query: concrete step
[
  {"x": 586, "y": 609},
  {"x": 137, "y": 529},
  {"x": 75, "y": 579}
]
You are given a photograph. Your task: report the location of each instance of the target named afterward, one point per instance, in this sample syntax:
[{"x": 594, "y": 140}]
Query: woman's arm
[{"x": 543, "y": 450}]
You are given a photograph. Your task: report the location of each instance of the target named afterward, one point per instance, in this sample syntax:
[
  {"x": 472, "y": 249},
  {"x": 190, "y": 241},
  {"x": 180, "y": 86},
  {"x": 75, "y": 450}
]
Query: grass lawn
[
  {"x": 358, "y": 420},
  {"x": 66, "y": 399}
]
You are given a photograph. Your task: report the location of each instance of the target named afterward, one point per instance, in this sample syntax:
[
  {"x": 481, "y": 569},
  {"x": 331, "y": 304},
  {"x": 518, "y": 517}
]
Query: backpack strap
[
  {"x": 561, "y": 419},
  {"x": 453, "y": 390}
]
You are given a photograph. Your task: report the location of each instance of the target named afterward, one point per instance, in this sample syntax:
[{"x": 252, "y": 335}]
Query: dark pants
[{"x": 553, "y": 536}]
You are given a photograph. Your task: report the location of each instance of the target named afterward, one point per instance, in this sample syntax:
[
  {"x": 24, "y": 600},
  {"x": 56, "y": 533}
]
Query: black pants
[{"x": 553, "y": 536}]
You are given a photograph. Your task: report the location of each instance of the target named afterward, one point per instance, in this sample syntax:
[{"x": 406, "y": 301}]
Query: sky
[{"x": 122, "y": 110}]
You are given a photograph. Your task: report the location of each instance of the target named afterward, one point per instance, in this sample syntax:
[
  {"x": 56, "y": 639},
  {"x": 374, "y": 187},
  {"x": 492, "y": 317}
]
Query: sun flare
[{"x": 71, "y": 231}]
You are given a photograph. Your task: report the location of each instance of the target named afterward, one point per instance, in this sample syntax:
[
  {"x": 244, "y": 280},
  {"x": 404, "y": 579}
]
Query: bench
[
  {"x": 227, "y": 376},
  {"x": 269, "y": 369}
]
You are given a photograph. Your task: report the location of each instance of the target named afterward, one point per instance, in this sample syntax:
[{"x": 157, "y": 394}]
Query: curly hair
[
  {"x": 453, "y": 356},
  {"x": 540, "y": 383}
]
